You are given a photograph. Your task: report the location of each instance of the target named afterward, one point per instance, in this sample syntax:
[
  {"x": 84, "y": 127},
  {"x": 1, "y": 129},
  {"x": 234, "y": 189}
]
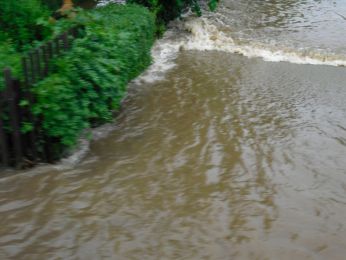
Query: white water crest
[
  {"x": 106, "y": 2},
  {"x": 206, "y": 36},
  {"x": 83, "y": 146},
  {"x": 163, "y": 53}
]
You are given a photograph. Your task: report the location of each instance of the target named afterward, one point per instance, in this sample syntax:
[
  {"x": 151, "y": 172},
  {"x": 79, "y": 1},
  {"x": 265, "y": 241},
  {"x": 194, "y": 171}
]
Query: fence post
[
  {"x": 74, "y": 32},
  {"x": 25, "y": 71},
  {"x": 5, "y": 158},
  {"x": 27, "y": 112},
  {"x": 57, "y": 45},
  {"x": 33, "y": 66},
  {"x": 50, "y": 50},
  {"x": 45, "y": 59},
  {"x": 15, "y": 146},
  {"x": 64, "y": 38},
  {"x": 38, "y": 64},
  {"x": 47, "y": 149},
  {"x": 12, "y": 91},
  {"x": 32, "y": 138}
]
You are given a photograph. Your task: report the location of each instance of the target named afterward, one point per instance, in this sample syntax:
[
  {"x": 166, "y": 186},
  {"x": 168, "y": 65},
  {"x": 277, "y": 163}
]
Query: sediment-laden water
[{"x": 231, "y": 146}]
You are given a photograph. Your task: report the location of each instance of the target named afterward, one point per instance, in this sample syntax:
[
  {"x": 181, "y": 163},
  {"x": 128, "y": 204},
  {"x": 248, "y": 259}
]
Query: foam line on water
[
  {"x": 206, "y": 36},
  {"x": 193, "y": 33},
  {"x": 163, "y": 53}
]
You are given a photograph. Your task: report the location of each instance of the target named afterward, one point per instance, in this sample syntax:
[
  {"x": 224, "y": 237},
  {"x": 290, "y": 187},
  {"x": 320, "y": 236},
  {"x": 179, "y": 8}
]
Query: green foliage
[
  {"x": 166, "y": 10},
  {"x": 53, "y": 5},
  {"x": 212, "y": 4},
  {"x": 89, "y": 81},
  {"x": 56, "y": 4},
  {"x": 8, "y": 58},
  {"x": 18, "y": 21}
]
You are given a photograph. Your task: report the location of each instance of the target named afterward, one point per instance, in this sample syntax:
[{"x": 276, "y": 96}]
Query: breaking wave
[
  {"x": 201, "y": 34},
  {"x": 207, "y": 36}
]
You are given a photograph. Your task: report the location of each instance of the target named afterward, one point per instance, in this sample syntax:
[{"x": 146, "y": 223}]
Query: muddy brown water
[
  {"x": 225, "y": 157},
  {"x": 246, "y": 162}
]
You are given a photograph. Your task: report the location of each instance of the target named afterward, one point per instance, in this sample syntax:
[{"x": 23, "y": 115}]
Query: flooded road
[{"x": 215, "y": 155}]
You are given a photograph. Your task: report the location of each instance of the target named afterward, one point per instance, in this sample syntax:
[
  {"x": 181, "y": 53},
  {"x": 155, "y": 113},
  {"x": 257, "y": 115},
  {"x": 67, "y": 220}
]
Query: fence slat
[
  {"x": 32, "y": 67},
  {"x": 46, "y": 60},
  {"x": 29, "y": 139},
  {"x": 47, "y": 149},
  {"x": 74, "y": 32},
  {"x": 38, "y": 64},
  {"x": 50, "y": 49},
  {"x": 57, "y": 45},
  {"x": 13, "y": 88},
  {"x": 5, "y": 157},
  {"x": 16, "y": 146},
  {"x": 25, "y": 70},
  {"x": 64, "y": 38}
]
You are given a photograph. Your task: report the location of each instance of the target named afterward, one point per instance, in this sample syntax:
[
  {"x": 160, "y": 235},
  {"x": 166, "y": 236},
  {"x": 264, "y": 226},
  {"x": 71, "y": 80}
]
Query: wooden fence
[{"x": 18, "y": 148}]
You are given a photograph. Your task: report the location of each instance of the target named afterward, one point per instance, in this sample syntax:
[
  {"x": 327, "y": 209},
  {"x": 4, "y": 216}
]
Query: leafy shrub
[
  {"x": 18, "y": 21},
  {"x": 8, "y": 58},
  {"x": 53, "y": 5},
  {"x": 56, "y": 4},
  {"x": 166, "y": 10},
  {"x": 89, "y": 81}
]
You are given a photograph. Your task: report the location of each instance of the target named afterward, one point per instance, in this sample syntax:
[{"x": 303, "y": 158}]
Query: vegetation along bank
[{"x": 86, "y": 84}]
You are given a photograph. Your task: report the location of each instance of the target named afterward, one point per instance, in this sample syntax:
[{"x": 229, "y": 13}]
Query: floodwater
[{"x": 231, "y": 146}]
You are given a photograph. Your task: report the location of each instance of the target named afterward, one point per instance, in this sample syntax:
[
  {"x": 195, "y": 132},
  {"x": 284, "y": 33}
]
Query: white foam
[
  {"x": 193, "y": 33},
  {"x": 206, "y": 36},
  {"x": 106, "y": 2},
  {"x": 163, "y": 53},
  {"x": 83, "y": 146}
]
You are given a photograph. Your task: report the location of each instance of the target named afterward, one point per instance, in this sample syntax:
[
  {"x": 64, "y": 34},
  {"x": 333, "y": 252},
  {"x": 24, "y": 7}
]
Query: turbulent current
[{"x": 232, "y": 145}]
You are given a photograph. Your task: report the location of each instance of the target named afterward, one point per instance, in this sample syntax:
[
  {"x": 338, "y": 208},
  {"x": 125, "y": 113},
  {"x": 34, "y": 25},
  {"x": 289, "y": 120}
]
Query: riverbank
[
  {"x": 86, "y": 84},
  {"x": 91, "y": 79}
]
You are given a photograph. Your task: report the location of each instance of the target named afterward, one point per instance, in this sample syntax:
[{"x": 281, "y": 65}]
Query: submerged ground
[{"x": 220, "y": 157}]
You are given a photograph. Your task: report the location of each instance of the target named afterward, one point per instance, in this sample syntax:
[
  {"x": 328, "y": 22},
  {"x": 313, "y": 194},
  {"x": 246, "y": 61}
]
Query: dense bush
[
  {"x": 8, "y": 58},
  {"x": 56, "y": 4},
  {"x": 89, "y": 82},
  {"x": 53, "y": 5},
  {"x": 18, "y": 21},
  {"x": 166, "y": 10}
]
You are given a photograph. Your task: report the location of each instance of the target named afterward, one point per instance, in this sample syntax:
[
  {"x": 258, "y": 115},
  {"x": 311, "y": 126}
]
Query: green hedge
[
  {"x": 167, "y": 10},
  {"x": 89, "y": 82},
  {"x": 56, "y": 4},
  {"x": 8, "y": 58},
  {"x": 18, "y": 21}
]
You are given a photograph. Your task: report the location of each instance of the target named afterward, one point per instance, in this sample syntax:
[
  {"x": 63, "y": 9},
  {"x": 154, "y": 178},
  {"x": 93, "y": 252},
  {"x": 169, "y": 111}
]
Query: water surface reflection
[{"x": 226, "y": 158}]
